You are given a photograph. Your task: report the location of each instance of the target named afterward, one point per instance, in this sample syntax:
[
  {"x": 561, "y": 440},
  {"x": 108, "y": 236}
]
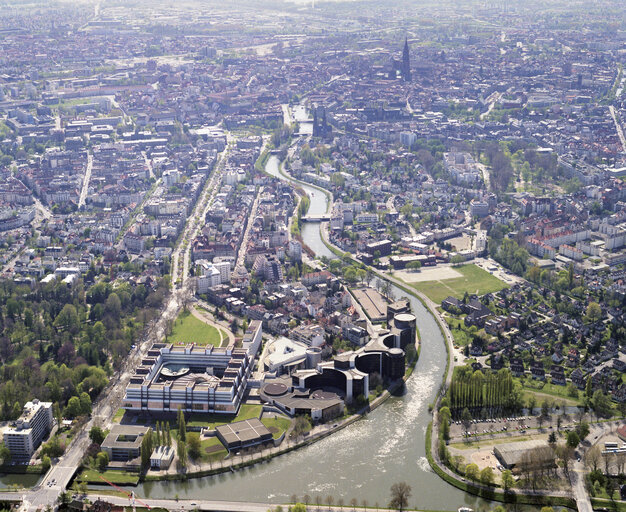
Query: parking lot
[{"x": 494, "y": 426}]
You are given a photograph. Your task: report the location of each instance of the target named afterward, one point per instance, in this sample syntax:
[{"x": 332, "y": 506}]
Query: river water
[{"x": 361, "y": 461}]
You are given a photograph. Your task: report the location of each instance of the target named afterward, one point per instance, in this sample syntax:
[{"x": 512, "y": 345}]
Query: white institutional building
[{"x": 30, "y": 429}]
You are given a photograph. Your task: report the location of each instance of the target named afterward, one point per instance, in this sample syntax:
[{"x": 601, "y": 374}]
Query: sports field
[{"x": 473, "y": 280}]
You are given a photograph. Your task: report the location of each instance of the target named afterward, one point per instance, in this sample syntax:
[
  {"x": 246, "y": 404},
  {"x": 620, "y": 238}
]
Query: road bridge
[{"x": 320, "y": 217}]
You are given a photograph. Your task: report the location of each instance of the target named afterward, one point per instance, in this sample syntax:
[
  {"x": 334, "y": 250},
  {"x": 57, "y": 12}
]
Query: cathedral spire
[{"x": 406, "y": 62}]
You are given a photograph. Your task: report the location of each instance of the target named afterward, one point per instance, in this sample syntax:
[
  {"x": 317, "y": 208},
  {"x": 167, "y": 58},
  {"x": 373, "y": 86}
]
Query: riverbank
[
  {"x": 241, "y": 462},
  {"x": 485, "y": 492},
  {"x": 492, "y": 493}
]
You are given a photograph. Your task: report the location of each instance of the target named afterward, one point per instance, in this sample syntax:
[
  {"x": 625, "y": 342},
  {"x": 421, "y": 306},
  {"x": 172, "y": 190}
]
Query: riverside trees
[{"x": 491, "y": 394}]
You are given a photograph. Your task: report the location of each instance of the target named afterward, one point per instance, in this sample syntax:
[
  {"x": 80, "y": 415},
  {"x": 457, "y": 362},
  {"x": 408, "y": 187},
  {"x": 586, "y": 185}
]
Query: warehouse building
[{"x": 511, "y": 455}]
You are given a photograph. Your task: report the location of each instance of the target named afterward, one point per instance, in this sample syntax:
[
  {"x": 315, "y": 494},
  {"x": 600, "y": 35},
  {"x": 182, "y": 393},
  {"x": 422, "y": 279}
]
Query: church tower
[{"x": 405, "y": 70}]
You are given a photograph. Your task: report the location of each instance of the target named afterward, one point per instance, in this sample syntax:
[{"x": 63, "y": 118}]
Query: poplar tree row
[{"x": 494, "y": 392}]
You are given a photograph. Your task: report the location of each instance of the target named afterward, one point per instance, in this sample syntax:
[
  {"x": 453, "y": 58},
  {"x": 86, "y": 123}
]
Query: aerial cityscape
[{"x": 313, "y": 255}]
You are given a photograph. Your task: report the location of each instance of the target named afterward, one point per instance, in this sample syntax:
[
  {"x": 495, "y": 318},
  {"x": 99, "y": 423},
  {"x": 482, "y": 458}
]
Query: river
[{"x": 361, "y": 461}]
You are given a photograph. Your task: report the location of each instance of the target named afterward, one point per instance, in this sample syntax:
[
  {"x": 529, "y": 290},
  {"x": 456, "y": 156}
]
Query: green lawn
[
  {"x": 461, "y": 334},
  {"x": 276, "y": 425},
  {"x": 543, "y": 390},
  {"x": 115, "y": 477},
  {"x": 119, "y": 415},
  {"x": 213, "y": 450},
  {"x": 246, "y": 412},
  {"x": 188, "y": 329},
  {"x": 474, "y": 280}
]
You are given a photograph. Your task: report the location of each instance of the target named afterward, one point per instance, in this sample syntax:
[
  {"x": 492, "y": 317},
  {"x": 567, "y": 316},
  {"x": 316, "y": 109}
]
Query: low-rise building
[{"x": 123, "y": 443}]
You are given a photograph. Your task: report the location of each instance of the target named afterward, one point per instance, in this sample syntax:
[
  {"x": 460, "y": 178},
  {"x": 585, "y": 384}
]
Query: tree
[
  {"x": 508, "y": 482},
  {"x": 73, "y": 409},
  {"x": 146, "y": 449},
  {"x": 487, "y": 476},
  {"x": 5, "y": 453},
  {"x": 414, "y": 265},
  {"x": 97, "y": 435},
  {"x": 400, "y": 494},
  {"x": 582, "y": 429},
  {"x": 572, "y": 439},
  {"x": 46, "y": 462},
  {"x": 102, "y": 460},
  {"x": 593, "y": 312},
  {"x": 329, "y": 501},
  {"x": 601, "y": 404},
  {"x": 466, "y": 418},
  {"x": 301, "y": 425},
  {"x": 589, "y": 387},
  {"x": 457, "y": 260},
  {"x": 181, "y": 450},
  {"x": 182, "y": 427},
  {"x": 85, "y": 403},
  {"x": 298, "y": 507},
  {"x": 194, "y": 445},
  {"x": 67, "y": 319},
  {"x": 157, "y": 436},
  {"x": 592, "y": 457},
  {"x": 552, "y": 439},
  {"x": 471, "y": 472}
]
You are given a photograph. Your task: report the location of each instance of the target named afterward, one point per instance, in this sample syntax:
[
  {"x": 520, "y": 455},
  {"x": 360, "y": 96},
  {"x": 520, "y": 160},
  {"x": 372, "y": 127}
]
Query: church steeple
[{"x": 406, "y": 62}]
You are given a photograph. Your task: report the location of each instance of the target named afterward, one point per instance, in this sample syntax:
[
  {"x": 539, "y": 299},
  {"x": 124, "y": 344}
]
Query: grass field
[
  {"x": 461, "y": 334},
  {"x": 246, "y": 412},
  {"x": 188, "y": 328},
  {"x": 213, "y": 450},
  {"x": 276, "y": 425},
  {"x": 474, "y": 280},
  {"x": 119, "y": 415},
  {"x": 547, "y": 390},
  {"x": 115, "y": 477}
]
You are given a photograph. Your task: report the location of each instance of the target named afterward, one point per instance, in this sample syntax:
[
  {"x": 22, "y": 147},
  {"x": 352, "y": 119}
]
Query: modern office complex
[
  {"x": 195, "y": 379},
  {"x": 321, "y": 387},
  {"x": 30, "y": 429}
]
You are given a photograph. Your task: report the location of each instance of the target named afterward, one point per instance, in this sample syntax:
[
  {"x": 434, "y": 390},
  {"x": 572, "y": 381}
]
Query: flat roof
[
  {"x": 243, "y": 432},
  {"x": 124, "y": 436}
]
